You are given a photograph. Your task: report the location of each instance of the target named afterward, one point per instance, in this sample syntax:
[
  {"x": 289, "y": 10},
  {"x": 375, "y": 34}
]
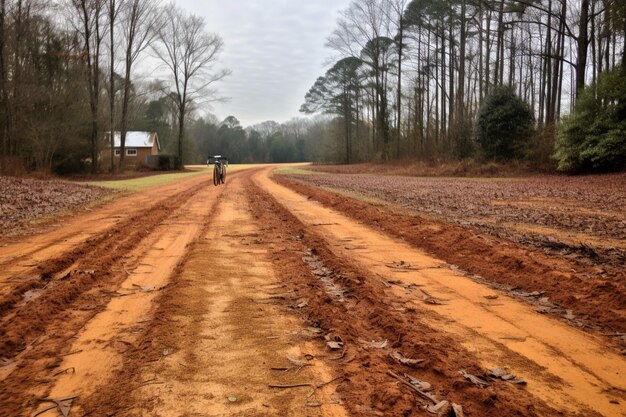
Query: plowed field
[{"x": 273, "y": 296}]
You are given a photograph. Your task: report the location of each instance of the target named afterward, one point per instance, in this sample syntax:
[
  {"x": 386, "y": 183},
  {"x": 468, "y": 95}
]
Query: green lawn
[
  {"x": 144, "y": 183},
  {"x": 292, "y": 170}
]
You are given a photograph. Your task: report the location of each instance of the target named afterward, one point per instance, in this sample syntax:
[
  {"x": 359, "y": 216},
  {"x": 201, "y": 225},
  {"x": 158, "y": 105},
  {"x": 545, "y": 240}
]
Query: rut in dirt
[
  {"x": 56, "y": 283},
  {"x": 62, "y": 280},
  {"x": 366, "y": 318},
  {"x": 590, "y": 297},
  {"x": 224, "y": 325},
  {"x": 36, "y": 367}
]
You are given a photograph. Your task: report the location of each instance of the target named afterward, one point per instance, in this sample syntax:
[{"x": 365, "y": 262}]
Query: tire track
[
  {"x": 37, "y": 333},
  {"x": 439, "y": 334}
]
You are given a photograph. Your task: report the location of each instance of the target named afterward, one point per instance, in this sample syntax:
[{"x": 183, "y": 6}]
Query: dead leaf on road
[
  {"x": 458, "y": 410},
  {"x": 505, "y": 376},
  {"x": 404, "y": 360},
  {"x": 376, "y": 344},
  {"x": 441, "y": 408},
  {"x": 479, "y": 382}
]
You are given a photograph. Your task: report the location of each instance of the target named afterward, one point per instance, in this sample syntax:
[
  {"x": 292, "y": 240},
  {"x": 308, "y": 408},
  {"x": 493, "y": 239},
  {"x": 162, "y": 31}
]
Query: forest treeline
[
  {"x": 536, "y": 80},
  {"x": 540, "y": 80},
  {"x": 71, "y": 71},
  {"x": 68, "y": 75}
]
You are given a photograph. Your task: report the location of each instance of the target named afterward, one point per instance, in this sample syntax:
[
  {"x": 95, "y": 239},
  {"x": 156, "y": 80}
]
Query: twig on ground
[
  {"x": 64, "y": 371},
  {"x": 72, "y": 353}
]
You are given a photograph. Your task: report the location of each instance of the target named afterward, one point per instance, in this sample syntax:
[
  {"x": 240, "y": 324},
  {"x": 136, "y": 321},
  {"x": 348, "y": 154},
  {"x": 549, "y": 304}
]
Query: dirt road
[{"x": 251, "y": 299}]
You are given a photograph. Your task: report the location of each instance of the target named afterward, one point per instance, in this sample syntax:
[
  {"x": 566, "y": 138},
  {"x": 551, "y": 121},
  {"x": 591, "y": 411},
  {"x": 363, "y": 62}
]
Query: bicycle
[{"x": 219, "y": 168}]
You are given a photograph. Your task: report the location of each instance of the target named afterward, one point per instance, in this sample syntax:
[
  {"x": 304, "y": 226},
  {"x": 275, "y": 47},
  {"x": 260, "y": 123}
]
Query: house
[{"x": 139, "y": 146}]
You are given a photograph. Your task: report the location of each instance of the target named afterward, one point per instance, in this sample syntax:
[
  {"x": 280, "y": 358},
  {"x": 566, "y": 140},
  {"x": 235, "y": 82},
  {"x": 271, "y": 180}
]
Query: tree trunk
[
  {"x": 623, "y": 19},
  {"x": 112, "y": 83},
  {"x": 480, "y": 51},
  {"x": 582, "y": 47},
  {"x": 4, "y": 97},
  {"x": 500, "y": 46},
  {"x": 399, "y": 98},
  {"x": 488, "y": 55},
  {"x": 443, "y": 82},
  {"x": 181, "y": 133},
  {"x": 461, "y": 81},
  {"x": 92, "y": 80},
  {"x": 548, "y": 68},
  {"x": 451, "y": 61},
  {"x": 124, "y": 122}
]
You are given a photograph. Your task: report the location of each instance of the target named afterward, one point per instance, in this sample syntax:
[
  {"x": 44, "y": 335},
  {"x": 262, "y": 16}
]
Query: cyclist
[{"x": 219, "y": 169}]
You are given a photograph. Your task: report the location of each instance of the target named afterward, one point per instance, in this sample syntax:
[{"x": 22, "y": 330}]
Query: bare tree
[
  {"x": 189, "y": 53},
  {"x": 139, "y": 20},
  {"x": 89, "y": 16},
  {"x": 112, "y": 18},
  {"x": 365, "y": 32},
  {"x": 4, "y": 119}
]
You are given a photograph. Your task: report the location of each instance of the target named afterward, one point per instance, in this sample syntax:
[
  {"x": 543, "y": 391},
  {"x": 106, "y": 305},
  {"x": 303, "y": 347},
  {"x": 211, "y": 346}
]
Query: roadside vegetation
[
  {"x": 143, "y": 183},
  {"x": 540, "y": 82},
  {"x": 534, "y": 82}
]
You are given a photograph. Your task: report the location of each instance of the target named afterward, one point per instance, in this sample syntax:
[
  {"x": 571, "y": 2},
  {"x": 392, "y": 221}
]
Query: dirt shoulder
[
  {"x": 423, "y": 311},
  {"x": 412, "y": 168},
  {"x": 25, "y": 201},
  {"x": 568, "y": 215},
  {"x": 46, "y": 304},
  {"x": 582, "y": 292}
]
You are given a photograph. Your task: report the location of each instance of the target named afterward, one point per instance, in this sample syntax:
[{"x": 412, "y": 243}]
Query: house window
[
  {"x": 131, "y": 152},
  {"x": 117, "y": 152}
]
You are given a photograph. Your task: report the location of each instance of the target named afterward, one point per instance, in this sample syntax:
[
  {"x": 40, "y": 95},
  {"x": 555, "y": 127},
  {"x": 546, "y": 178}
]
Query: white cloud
[{"x": 275, "y": 49}]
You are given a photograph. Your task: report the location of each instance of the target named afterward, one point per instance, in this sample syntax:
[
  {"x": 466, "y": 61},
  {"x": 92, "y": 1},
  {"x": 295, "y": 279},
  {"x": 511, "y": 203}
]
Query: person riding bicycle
[{"x": 219, "y": 168}]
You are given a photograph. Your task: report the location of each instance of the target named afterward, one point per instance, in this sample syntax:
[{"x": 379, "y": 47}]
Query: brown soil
[
  {"x": 437, "y": 169},
  {"x": 595, "y": 293},
  {"x": 46, "y": 308},
  {"x": 200, "y": 300},
  {"x": 223, "y": 327},
  {"x": 567, "y": 215},
  {"x": 24, "y": 200},
  {"x": 504, "y": 333}
]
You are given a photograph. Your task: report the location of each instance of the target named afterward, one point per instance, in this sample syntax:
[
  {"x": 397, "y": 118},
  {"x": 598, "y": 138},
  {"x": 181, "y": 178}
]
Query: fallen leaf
[
  {"x": 479, "y": 382},
  {"x": 378, "y": 345},
  {"x": 439, "y": 408},
  {"x": 420, "y": 385},
  {"x": 458, "y": 410},
  {"x": 404, "y": 360},
  {"x": 334, "y": 345}
]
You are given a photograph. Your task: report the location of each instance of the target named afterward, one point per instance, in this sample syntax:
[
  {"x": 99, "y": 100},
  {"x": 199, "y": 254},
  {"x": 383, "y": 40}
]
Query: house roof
[{"x": 138, "y": 140}]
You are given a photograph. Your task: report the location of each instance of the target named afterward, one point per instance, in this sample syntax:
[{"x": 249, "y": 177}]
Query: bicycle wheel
[
  {"x": 216, "y": 175},
  {"x": 223, "y": 175}
]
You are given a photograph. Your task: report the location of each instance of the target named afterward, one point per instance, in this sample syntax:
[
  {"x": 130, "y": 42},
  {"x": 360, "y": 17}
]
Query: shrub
[
  {"x": 504, "y": 125},
  {"x": 593, "y": 137}
]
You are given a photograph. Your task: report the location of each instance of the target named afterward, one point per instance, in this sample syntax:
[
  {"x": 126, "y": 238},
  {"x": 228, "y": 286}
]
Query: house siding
[{"x": 133, "y": 161}]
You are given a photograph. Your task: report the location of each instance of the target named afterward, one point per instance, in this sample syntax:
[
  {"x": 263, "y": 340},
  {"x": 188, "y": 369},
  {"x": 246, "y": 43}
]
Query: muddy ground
[
  {"x": 255, "y": 299},
  {"x": 582, "y": 215},
  {"x": 555, "y": 237}
]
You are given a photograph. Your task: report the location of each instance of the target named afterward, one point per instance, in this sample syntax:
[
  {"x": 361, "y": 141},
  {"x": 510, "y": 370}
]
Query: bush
[
  {"x": 504, "y": 125},
  {"x": 593, "y": 138}
]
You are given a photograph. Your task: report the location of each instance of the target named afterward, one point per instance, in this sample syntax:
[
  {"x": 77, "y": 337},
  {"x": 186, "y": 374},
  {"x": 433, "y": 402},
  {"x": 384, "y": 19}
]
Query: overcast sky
[{"x": 275, "y": 50}]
